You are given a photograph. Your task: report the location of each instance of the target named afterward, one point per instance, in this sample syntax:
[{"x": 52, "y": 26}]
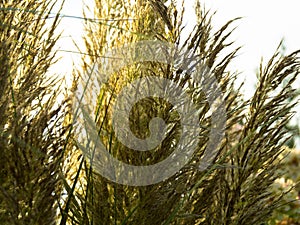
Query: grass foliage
[
  {"x": 31, "y": 121},
  {"x": 236, "y": 189},
  {"x": 46, "y": 180}
]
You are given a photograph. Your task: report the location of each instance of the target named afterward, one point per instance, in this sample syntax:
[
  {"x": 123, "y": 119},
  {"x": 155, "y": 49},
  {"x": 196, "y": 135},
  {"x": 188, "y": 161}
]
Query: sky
[{"x": 263, "y": 25}]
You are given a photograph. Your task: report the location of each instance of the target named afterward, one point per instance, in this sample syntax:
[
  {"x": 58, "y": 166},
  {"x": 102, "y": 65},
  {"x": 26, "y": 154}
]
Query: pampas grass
[
  {"x": 32, "y": 128},
  {"x": 45, "y": 178},
  {"x": 236, "y": 189}
]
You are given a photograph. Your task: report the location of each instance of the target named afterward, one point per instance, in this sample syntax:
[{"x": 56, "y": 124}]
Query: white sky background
[{"x": 264, "y": 24}]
